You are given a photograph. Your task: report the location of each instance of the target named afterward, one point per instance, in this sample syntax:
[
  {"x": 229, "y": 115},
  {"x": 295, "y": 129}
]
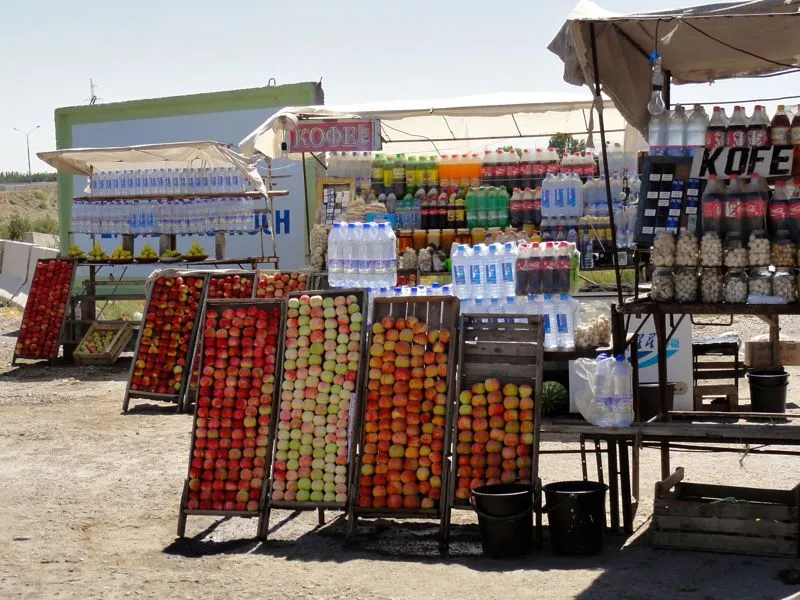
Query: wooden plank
[
  {"x": 742, "y": 527},
  {"x": 723, "y": 543},
  {"x": 700, "y": 490},
  {"x": 662, "y": 487},
  {"x": 722, "y": 510},
  {"x": 716, "y": 374},
  {"x": 483, "y": 348},
  {"x": 715, "y": 390}
]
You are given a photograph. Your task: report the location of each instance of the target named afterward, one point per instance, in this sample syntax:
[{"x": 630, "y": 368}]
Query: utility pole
[{"x": 27, "y": 135}]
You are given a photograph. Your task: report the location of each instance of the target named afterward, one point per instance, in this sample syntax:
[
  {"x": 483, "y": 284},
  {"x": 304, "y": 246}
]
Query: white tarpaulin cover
[
  {"x": 697, "y": 45},
  {"x": 450, "y": 124},
  {"x": 84, "y": 161}
]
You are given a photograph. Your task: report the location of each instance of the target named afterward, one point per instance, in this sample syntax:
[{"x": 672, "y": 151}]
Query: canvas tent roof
[
  {"x": 83, "y": 161},
  {"x": 406, "y": 126},
  {"x": 697, "y": 45}
]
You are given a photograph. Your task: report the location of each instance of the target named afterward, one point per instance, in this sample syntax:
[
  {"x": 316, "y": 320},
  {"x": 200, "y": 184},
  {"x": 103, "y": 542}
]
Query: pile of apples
[
  {"x": 44, "y": 312},
  {"x": 279, "y": 285},
  {"x": 166, "y": 334},
  {"x": 495, "y": 435},
  {"x": 230, "y": 446},
  {"x": 97, "y": 342},
  {"x": 230, "y": 286},
  {"x": 404, "y": 418},
  {"x": 320, "y": 374}
]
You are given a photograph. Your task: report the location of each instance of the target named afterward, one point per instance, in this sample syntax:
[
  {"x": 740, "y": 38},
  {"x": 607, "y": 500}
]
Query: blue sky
[{"x": 362, "y": 49}]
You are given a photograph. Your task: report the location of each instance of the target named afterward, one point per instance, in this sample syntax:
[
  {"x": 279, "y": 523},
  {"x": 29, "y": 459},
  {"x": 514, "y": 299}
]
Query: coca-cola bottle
[
  {"x": 780, "y": 126},
  {"x": 732, "y": 207},
  {"x": 526, "y": 169},
  {"x": 516, "y": 209},
  {"x": 500, "y": 168},
  {"x": 756, "y": 198},
  {"x": 715, "y": 132},
  {"x": 487, "y": 168},
  {"x": 758, "y": 128},
  {"x": 779, "y": 209},
  {"x": 794, "y": 211},
  {"x": 736, "y": 134},
  {"x": 711, "y": 203}
]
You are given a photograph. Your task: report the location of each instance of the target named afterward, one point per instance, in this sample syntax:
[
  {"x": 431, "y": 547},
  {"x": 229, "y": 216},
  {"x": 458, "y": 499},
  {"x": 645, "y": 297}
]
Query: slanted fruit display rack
[
  {"x": 47, "y": 299},
  {"x": 232, "y": 431},
  {"x": 316, "y": 407},
  {"x": 497, "y": 431},
  {"x": 401, "y": 464},
  {"x": 155, "y": 328}
]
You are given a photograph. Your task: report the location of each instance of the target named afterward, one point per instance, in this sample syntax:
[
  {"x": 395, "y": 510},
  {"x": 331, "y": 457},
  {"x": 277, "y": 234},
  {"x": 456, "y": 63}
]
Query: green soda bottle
[
  {"x": 433, "y": 166},
  {"x": 470, "y": 207},
  {"x": 387, "y": 175},
  {"x": 411, "y": 174},
  {"x": 484, "y": 206},
  {"x": 378, "y": 166},
  {"x": 501, "y": 219}
]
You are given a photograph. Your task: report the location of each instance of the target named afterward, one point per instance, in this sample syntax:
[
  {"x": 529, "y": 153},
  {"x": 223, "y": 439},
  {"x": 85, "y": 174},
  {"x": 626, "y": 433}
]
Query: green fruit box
[{"x": 122, "y": 334}]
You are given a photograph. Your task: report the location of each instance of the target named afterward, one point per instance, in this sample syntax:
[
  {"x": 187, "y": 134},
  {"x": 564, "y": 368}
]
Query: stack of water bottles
[
  {"x": 608, "y": 399},
  {"x": 155, "y": 182},
  {"x": 362, "y": 255}
]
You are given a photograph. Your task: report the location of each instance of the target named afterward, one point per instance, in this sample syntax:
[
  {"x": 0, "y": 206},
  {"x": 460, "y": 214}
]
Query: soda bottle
[
  {"x": 512, "y": 170},
  {"x": 794, "y": 211},
  {"x": 780, "y": 126},
  {"x": 537, "y": 206},
  {"x": 779, "y": 208},
  {"x": 470, "y": 207},
  {"x": 433, "y": 166},
  {"x": 449, "y": 202},
  {"x": 736, "y": 133},
  {"x": 711, "y": 202},
  {"x": 755, "y": 210},
  {"x": 526, "y": 169},
  {"x": 388, "y": 175},
  {"x": 538, "y": 164},
  {"x": 487, "y": 168},
  {"x": 715, "y": 132},
  {"x": 501, "y": 208},
  {"x": 794, "y": 139},
  {"x": 758, "y": 128},
  {"x": 732, "y": 206},
  {"x": 517, "y": 209},
  {"x": 411, "y": 174},
  {"x": 399, "y": 175},
  {"x": 441, "y": 209},
  {"x": 527, "y": 207},
  {"x": 500, "y": 169},
  {"x": 461, "y": 213},
  {"x": 552, "y": 164}
]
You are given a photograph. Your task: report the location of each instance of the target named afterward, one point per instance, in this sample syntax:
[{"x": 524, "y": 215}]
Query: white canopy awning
[
  {"x": 454, "y": 124},
  {"x": 697, "y": 45},
  {"x": 85, "y": 161}
]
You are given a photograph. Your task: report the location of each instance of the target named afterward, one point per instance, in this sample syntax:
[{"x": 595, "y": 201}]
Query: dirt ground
[{"x": 90, "y": 500}]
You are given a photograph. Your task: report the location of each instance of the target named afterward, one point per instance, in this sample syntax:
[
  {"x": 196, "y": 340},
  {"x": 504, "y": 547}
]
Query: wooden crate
[
  {"x": 721, "y": 518},
  {"x": 110, "y": 354},
  {"x": 184, "y": 510},
  {"x": 320, "y": 507},
  {"x": 437, "y": 312},
  {"x": 508, "y": 348}
]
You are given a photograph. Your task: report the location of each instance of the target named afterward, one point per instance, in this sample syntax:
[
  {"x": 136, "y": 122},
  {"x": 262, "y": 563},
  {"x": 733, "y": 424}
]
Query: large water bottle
[
  {"x": 565, "y": 322},
  {"x": 622, "y": 392},
  {"x": 492, "y": 270},
  {"x": 388, "y": 254},
  {"x": 349, "y": 256},
  {"x": 548, "y": 311},
  {"x": 477, "y": 271},
  {"x": 657, "y": 133},
  {"x": 336, "y": 248},
  {"x": 559, "y": 194},
  {"x": 604, "y": 391},
  {"x": 548, "y": 192},
  {"x": 508, "y": 261},
  {"x": 696, "y": 125},
  {"x": 365, "y": 254},
  {"x": 676, "y": 132},
  {"x": 460, "y": 259}
]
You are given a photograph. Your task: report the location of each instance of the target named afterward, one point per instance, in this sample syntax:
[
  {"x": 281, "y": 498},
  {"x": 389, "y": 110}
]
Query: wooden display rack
[
  {"x": 510, "y": 349},
  {"x": 179, "y": 394},
  {"x": 437, "y": 312},
  {"x": 30, "y": 307},
  {"x": 321, "y": 507},
  {"x": 184, "y": 512},
  {"x": 110, "y": 354}
]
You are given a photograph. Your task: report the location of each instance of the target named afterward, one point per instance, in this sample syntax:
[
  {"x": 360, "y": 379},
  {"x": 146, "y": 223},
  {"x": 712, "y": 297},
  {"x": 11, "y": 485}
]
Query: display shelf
[
  {"x": 270, "y": 193},
  {"x": 556, "y": 355}
]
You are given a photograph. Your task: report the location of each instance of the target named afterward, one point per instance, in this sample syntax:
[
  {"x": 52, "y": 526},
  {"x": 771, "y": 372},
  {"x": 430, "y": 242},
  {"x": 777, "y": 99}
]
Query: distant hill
[
  {"x": 28, "y": 208},
  {"x": 17, "y": 177}
]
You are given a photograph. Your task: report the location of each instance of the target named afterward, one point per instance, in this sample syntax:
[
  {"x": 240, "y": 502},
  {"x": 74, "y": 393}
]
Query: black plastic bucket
[
  {"x": 768, "y": 391},
  {"x": 505, "y": 519},
  {"x": 576, "y": 513},
  {"x": 649, "y": 398}
]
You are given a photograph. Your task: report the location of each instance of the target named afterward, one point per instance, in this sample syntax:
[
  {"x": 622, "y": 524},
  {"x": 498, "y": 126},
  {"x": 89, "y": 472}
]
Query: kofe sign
[
  {"x": 335, "y": 136},
  {"x": 767, "y": 161}
]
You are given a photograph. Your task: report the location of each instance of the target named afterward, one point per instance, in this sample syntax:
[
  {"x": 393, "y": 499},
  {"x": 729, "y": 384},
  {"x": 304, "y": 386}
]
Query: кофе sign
[{"x": 767, "y": 161}]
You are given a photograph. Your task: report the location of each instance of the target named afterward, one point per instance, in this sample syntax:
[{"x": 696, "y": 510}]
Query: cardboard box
[{"x": 758, "y": 353}]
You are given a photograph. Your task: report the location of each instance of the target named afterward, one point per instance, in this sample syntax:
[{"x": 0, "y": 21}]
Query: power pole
[{"x": 27, "y": 135}]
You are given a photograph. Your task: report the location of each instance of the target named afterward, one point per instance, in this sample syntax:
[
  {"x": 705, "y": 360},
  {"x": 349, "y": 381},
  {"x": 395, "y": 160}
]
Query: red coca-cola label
[
  {"x": 500, "y": 172},
  {"x": 733, "y": 209},
  {"x": 715, "y": 138},
  {"x": 758, "y": 137},
  {"x": 712, "y": 209},
  {"x": 526, "y": 170},
  {"x": 754, "y": 208},
  {"x": 538, "y": 170},
  {"x": 528, "y": 205},
  {"x": 779, "y": 211},
  {"x": 736, "y": 138},
  {"x": 534, "y": 264},
  {"x": 552, "y": 168},
  {"x": 537, "y": 205},
  {"x": 512, "y": 171},
  {"x": 487, "y": 171},
  {"x": 794, "y": 210}
]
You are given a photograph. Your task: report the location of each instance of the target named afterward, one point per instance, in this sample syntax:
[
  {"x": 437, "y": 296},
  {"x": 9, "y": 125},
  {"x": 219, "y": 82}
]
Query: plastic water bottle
[
  {"x": 657, "y": 133},
  {"x": 435, "y": 289},
  {"x": 477, "y": 272},
  {"x": 365, "y": 253},
  {"x": 565, "y": 322},
  {"x": 548, "y": 192},
  {"x": 492, "y": 269},
  {"x": 604, "y": 391},
  {"x": 622, "y": 392},
  {"x": 349, "y": 257},
  {"x": 676, "y": 132},
  {"x": 696, "y": 125},
  {"x": 548, "y": 312},
  {"x": 559, "y": 194},
  {"x": 336, "y": 248},
  {"x": 460, "y": 258},
  {"x": 508, "y": 261}
]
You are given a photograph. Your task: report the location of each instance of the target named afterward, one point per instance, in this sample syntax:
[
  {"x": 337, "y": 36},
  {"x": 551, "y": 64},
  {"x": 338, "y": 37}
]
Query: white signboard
[{"x": 767, "y": 161}]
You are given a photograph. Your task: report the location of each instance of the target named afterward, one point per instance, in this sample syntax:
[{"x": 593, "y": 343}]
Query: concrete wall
[{"x": 17, "y": 266}]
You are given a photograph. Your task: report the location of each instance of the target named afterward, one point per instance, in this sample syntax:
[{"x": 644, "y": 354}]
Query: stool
[{"x": 709, "y": 363}]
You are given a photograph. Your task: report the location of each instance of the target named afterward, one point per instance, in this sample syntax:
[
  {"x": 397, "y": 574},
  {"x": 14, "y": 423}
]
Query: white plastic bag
[{"x": 607, "y": 399}]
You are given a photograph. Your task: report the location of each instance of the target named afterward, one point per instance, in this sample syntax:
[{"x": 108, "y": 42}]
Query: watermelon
[{"x": 555, "y": 399}]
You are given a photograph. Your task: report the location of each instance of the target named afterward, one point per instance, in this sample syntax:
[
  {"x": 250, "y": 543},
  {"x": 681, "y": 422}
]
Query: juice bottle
[
  {"x": 780, "y": 127},
  {"x": 444, "y": 171},
  {"x": 474, "y": 170},
  {"x": 464, "y": 171},
  {"x": 433, "y": 166},
  {"x": 388, "y": 175},
  {"x": 378, "y": 166},
  {"x": 411, "y": 174}
]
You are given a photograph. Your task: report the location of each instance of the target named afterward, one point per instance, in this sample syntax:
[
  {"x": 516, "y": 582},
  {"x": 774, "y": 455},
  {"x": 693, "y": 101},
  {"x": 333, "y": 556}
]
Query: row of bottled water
[
  {"x": 558, "y": 313},
  {"x": 164, "y": 216},
  {"x": 484, "y": 271},
  {"x": 152, "y": 182},
  {"x": 362, "y": 255},
  {"x": 613, "y": 391}
]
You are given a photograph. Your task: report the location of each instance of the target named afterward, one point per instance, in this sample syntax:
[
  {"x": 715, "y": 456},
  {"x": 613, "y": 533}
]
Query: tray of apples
[
  {"x": 280, "y": 284},
  {"x": 43, "y": 318},
  {"x": 322, "y": 362},
  {"x": 232, "y": 432}
]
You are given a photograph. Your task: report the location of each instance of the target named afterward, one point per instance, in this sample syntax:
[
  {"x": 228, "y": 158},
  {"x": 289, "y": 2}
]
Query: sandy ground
[{"x": 90, "y": 500}]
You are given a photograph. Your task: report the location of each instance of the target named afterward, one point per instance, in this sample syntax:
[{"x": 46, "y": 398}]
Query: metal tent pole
[{"x": 599, "y": 107}]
